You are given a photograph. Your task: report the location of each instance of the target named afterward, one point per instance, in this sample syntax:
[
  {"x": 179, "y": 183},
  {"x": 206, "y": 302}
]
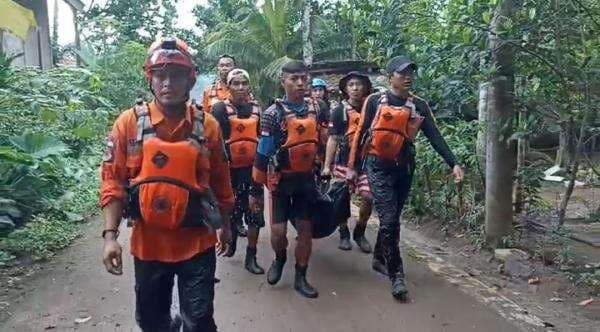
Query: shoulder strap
[
  {"x": 313, "y": 107},
  {"x": 198, "y": 129},
  {"x": 213, "y": 89},
  {"x": 255, "y": 109},
  {"x": 410, "y": 103},
  {"x": 144, "y": 125},
  {"x": 230, "y": 109},
  {"x": 345, "y": 108},
  {"x": 383, "y": 101}
]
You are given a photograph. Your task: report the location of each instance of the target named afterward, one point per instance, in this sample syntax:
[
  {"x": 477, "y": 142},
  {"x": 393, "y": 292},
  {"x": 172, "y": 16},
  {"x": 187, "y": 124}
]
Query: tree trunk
[
  {"x": 481, "y": 133},
  {"x": 574, "y": 165},
  {"x": 307, "y": 46},
  {"x": 522, "y": 148},
  {"x": 499, "y": 155},
  {"x": 55, "y": 33},
  {"x": 77, "y": 37}
]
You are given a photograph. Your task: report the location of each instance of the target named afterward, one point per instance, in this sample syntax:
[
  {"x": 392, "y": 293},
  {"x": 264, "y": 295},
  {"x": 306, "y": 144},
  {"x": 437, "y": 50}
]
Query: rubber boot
[
  {"x": 250, "y": 263},
  {"x": 379, "y": 266},
  {"x": 233, "y": 243},
  {"x": 359, "y": 237},
  {"x": 345, "y": 243},
  {"x": 302, "y": 286},
  {"x": 379, "y": 258},
  {"x": 399, "y": 290},
  {"x": 276, "y": 269}
]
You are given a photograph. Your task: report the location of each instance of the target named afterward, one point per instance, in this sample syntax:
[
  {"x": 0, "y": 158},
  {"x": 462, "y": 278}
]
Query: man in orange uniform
[
  {"x": 165, "y": 165},
  {"x": 285, "y": 162},
  {"x": 239, "y": 121},
  {"x": 389, "y": 123},
  {"x": 355, "y": 88},
  {"x": 218, "y": 91}
]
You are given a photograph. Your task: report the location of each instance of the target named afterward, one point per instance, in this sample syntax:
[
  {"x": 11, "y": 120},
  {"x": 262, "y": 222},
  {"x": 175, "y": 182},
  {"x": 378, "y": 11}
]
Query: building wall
[{"x": 36, "y": 49}]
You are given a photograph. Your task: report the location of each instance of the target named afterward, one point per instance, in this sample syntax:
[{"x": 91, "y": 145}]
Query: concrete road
[{"x": 353, "y": 298}]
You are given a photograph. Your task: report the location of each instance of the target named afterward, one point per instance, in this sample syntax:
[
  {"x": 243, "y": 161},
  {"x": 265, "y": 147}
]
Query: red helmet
[{"x": 171, "y": 51}]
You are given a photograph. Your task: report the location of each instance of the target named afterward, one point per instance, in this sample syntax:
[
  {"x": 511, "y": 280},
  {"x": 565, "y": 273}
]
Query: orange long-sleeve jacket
[
  {"x": 149, "y": 243},
  {"x": 213, "y": 94}
]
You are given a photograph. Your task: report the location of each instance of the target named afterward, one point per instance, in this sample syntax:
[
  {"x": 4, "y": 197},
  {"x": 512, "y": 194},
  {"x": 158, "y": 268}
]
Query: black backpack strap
[{"x": 198, "y": 127}]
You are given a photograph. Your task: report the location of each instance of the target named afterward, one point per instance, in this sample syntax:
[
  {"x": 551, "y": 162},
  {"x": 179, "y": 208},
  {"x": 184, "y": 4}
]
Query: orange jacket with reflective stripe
[{"x": 148, "y": 243}]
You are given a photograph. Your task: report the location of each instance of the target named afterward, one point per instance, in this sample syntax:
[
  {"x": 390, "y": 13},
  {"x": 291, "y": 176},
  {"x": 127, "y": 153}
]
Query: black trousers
[
  {"x": 390, "y": 186},
  {"x": 196, "y": 286}
]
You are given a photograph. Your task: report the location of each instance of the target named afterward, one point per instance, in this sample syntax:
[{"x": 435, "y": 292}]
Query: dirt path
[{"x": 353, "y": 298}]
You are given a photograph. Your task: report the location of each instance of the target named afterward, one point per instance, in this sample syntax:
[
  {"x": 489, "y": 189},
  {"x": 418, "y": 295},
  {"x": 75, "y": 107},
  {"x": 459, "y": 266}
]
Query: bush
[{"x": 53, "y": 127}]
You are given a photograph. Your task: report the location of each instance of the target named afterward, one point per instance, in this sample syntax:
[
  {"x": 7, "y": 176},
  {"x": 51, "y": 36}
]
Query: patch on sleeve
[{"x": 109, "y": 151}]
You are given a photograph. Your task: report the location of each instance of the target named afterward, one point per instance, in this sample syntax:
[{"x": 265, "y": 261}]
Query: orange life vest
[
  {"x": 243, "y": 140},
  {"x": 213, "y": 95},
  {"x": 302, "y": 141},
  {"x": 165, "y": 192},
  {"x": 352, "y": 118},
  {"x": 391, "y": 127}
]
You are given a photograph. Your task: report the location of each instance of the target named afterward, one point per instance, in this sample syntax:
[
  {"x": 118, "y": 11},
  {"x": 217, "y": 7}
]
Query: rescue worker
[
  {"x": 285, "y": 162},
  {"x": 165, "y": 164},
  {"x": 355, "y": 87},
  {"x": 239, "y": 121},
  {"x": 218, "y": 90},
  {"x": 216, "y": 93},
  {"x": 318, "y": 92},
  {"x": 384, "y": 146}
]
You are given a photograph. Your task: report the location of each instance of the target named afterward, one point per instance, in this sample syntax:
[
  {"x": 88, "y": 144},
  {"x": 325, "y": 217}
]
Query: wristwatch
[{"x": 116, "y": 231}]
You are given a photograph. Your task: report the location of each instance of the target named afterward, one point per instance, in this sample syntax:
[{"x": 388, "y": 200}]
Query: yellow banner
[{"x": 16, "y": 19}]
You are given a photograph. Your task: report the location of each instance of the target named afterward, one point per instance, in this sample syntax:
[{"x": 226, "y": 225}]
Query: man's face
[
  {"x": 239, "y": 87},
  {"x": 295, "y": 84},
  {"x": 355, "y": 89},
  {"x": 403, "y": 80},
  {"x": 318, "y": 92},
  {"x": 171, "y": 85},
  {"x": 224, "y": 66}
]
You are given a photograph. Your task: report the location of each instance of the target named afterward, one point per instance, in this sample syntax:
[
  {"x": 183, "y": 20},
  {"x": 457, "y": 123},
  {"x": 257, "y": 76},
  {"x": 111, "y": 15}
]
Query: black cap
[
  {"x": 399, "y": 63},
  {"x": 294, "y": 66},
  {"x": 354, "y": 74}
]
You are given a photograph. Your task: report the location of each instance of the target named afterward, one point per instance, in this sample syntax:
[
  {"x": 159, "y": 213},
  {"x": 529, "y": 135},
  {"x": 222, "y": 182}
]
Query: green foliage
[
  {"x": 39, "y": 238},
  {"x": 262, "y": 40},
  {"x": 119, "y": 75},
  {"x": 119, "y": 21},
  {"x": 53, "y": 126}
]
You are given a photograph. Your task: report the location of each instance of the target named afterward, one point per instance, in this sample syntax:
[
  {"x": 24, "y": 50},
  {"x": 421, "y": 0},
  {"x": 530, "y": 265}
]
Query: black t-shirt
[
  {"x": 219, "y": 111},
  {"x": 429, "y": 127}
]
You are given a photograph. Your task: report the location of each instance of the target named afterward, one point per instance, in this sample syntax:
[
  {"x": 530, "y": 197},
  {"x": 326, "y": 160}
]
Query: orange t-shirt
[
  {"x": 213, "y": 94},
  {"x": 149, "y": 243}
]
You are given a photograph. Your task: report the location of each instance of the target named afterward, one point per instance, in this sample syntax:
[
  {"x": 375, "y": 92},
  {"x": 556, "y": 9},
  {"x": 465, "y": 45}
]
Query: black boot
[
  {"x": 379, "y": 266},
  {"x": 345, "y": 238},
  {"x": 379, "y": 258},
  {"x": 399, "y": 290},
  {"x": 359, "y": 237},
  {"x": 276, "y": 269},
  {"x": 250, "y": 264},
  {"x": 302, "y": 286},
  {"x": 233, "y": 243}
]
